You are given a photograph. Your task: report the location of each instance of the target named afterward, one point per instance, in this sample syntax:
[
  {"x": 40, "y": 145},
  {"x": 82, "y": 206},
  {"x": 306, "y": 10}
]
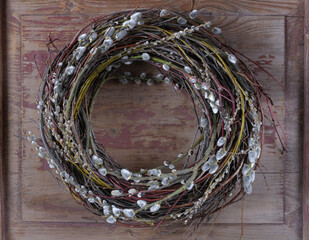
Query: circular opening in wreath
[{"x": 142, "y": 124}]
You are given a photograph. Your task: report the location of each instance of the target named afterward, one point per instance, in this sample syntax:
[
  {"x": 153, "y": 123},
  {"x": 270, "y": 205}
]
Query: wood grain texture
[
  {"x": 212, "y": 7},
  {"x": 306, "y": 127},
  {"x": 294, "y": 116},
  {"x": 294, "y": 92},
  {"x": 39, "y": 209},
  {"x": 2, "y": 170}
]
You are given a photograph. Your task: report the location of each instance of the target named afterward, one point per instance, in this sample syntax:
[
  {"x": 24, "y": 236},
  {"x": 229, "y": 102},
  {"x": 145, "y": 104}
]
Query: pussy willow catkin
[{"x": 190, "y": 58}]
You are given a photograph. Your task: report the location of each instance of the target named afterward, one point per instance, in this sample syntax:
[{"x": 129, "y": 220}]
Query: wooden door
[{"x": 269, "y": 32}]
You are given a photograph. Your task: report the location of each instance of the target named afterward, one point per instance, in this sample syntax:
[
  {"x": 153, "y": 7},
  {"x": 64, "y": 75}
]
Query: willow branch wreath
[{"x": 190, "y": 58}]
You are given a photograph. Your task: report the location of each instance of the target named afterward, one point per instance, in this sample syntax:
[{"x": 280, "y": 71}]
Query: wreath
[{"x": 189, "y": 57}]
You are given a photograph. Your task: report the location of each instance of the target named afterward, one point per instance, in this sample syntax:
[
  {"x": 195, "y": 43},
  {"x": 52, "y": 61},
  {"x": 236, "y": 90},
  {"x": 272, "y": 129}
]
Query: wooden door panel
[{"x": 36, "y": 207}]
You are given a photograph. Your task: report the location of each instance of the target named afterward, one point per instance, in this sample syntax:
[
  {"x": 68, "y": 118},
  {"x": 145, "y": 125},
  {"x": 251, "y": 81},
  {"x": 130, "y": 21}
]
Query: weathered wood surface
[
  {"x": 39, "y": 209},
  {"x": 306, "y": 127},
  {"x": 2, "y": 191},
  {"x": 216, "y": 7}
]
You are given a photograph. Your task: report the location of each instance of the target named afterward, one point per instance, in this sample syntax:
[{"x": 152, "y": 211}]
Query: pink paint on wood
[
  {"x": 29, "y": 60},
  {"x": 139, "y": 114},
  {"x": 44, "y": 166}
]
